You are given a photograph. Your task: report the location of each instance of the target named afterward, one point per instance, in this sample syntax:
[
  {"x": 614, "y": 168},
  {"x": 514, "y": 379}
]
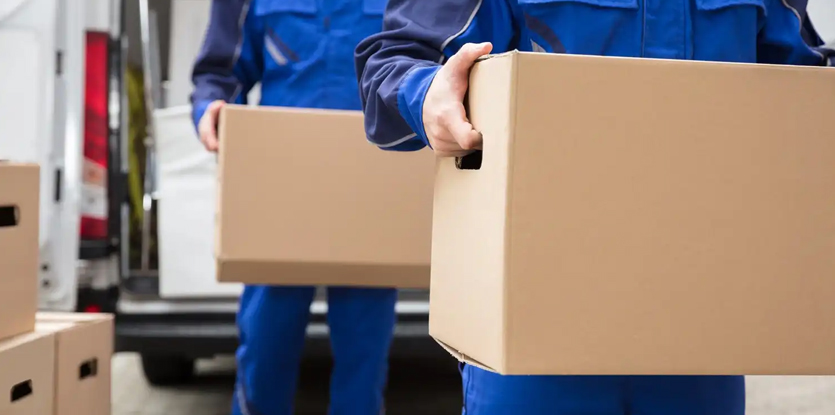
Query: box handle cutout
[
  {"x": 9, "y": 216},
  {"x": 471, "y": 161},
  {"x": 21, "y": 390},
  {"x": 88, "y": 369}
]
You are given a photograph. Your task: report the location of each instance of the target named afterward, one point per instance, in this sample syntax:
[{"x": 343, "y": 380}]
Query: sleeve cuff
[{"x": 411, "y": 96}]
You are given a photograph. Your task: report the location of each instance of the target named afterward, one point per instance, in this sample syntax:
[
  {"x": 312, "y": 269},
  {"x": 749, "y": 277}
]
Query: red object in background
[
  {"x": 94, "y": 189},
  {"x": 92, "y": 309}
]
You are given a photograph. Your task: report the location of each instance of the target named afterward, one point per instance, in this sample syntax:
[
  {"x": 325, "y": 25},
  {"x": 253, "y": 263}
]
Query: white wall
[
  {"x": 822, "y": 13},
  {"x": 97, "y": 15},
  {"x": 189, "y": 19}
]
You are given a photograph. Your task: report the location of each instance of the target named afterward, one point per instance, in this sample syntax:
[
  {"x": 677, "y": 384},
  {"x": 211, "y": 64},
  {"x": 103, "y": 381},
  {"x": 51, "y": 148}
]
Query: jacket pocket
[
  {"x": 621, "y": 4},
  {"x": 589, "y": 27},
  {"x": 267, "y": 7},
  {"x": 708, "y": 5},
  {"x": 727, "y": 30},
  {"x": 291, "y": 31},
  {"x": 375, "y": 7}
]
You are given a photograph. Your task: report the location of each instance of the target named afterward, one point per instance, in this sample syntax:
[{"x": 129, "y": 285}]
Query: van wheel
[{"x": 162, "y": 370}]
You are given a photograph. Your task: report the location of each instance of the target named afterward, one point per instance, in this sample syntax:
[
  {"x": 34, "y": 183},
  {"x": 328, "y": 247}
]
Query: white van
[{"x": 67, "y": 95}]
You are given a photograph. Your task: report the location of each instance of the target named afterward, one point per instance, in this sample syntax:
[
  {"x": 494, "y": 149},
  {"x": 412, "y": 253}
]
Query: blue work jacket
[
  {"x": 397, "y": 66},
  {"x": 301, "y": 52}
]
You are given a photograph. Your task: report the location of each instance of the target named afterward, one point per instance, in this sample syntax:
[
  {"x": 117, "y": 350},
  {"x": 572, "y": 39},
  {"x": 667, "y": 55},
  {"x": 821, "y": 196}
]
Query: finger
[
  {"x": 215, "y": 106},
  {"x": 213, "y": 114},
  {"x": 461, "y": 129},
  {"x": 466, "y": 136},
  {"x": 443, "y": 140},
  {"x": 210, "y": 127},
  {"x": 449, "y": 148},
  {"x": 211, "y": 136},
  {"x": 208, "y": 135},
  {"x": 211, "y": 143},
  {"x": 463, "y": 60},
  {"x": 460, "y": 153}
]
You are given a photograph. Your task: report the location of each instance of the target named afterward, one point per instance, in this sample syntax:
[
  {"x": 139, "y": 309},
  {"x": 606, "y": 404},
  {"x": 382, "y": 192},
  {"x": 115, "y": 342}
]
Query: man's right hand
[
  {"x": 208, "y": 126},
  {"x": 444, "y": 118}
]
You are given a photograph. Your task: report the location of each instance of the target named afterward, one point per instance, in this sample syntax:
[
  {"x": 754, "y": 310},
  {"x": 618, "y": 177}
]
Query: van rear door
[{"x": 41, "y": 45}]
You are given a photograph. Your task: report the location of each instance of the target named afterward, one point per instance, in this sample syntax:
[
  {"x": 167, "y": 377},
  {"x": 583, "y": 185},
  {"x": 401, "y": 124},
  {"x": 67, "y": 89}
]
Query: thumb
[
  {"x": 215, "y": 106},
  {"x": 463, "y": 60}
]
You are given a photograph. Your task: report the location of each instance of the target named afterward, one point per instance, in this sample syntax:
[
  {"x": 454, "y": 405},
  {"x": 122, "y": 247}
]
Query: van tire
[{"x": 162, "y": 370}]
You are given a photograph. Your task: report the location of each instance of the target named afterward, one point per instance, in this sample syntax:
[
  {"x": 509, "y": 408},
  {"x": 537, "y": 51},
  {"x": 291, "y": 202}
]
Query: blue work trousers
[
  {"x": 272, "y": 323},
  {"x": 487, "y": 393}
]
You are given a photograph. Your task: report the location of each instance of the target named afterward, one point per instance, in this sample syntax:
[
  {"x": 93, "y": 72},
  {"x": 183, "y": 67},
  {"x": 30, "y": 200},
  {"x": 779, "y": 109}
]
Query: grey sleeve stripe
[
  {"x": 237, "y": 55},
  {"x": 395, "y": 142},
  {"x": 460, "y": 32},
  {"x": 800, "y": 23}
]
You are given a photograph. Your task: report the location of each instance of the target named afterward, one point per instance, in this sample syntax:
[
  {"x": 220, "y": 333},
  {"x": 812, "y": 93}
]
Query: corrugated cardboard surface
[
  {"x": 27, "y": 374},
  {"x": 467, "y": 257},
  {"x": 651, "y": 217},
  {"x": 18, "y": 247},
  {"x": 84, "y": 346},
  {"x": 305, "y": 199}
]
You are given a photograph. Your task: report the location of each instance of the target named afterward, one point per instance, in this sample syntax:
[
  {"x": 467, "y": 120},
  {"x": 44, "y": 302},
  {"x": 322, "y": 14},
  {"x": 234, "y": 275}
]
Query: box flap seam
[{"x": 461, "y": 357}]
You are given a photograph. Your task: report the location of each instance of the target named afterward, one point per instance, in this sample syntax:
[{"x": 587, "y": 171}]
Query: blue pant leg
[
  {"x": 687, "y": 395},
  {"x": 488, "y": 393},
  {"x": 361, "y": 324},
  {"x": 272, "y": 323}
]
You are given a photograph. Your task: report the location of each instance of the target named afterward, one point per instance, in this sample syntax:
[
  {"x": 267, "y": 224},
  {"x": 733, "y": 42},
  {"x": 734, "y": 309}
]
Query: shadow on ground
[{"x": 420, "y": 386}]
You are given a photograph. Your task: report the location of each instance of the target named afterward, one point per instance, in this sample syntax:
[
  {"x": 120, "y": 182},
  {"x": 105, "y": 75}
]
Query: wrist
[
  {"x": 411, "y": 96},
  {"x": 198, "y": 111}
]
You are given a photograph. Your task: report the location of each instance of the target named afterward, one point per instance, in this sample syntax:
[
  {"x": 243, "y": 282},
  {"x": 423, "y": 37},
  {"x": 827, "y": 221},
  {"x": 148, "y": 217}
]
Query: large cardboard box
[
  {"x": 305, "y": 199},
  {"x": 640, "y": 217},
  {"x": 19, "y": 198},
  {"x": 27, "y": 374},
  {"x": 83, "y": 348}
]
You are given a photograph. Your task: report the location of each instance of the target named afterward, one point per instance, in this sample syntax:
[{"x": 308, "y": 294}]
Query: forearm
[{"x": 396, "y": 66}]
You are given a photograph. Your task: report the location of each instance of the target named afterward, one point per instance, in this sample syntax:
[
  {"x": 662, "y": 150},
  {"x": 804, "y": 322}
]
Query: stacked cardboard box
[
  {"x": 19, "y": 204},
  {"x": 49, "y": 363},
  {"x": 83, "y": 346}
]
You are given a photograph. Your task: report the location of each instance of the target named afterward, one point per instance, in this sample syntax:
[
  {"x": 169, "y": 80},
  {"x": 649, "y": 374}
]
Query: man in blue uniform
[
  {"x": 301, "y": 52},
  {"x": 413, "y": 78}
]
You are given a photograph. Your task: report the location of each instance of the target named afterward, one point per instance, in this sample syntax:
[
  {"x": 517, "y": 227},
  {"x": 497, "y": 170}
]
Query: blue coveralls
[
  {"x": 301, "y": 51},
  {"x": 397, "y": 66}
]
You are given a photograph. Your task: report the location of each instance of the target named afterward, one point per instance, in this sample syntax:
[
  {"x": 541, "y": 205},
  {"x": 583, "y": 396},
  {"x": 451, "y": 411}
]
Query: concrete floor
[{"x": 415, "y": 388}]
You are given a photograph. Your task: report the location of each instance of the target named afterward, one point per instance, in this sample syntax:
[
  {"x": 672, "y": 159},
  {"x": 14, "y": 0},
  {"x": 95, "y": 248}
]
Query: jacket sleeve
[
  {"x": 396, "y": 66},
  {"x": 788, "y": 36},
  {"x": 230, "y": 61}
]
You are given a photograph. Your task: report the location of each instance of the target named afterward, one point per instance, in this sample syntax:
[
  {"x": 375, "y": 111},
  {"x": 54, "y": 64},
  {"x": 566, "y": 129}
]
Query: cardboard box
[
  {"x": 83, "y": 348},
  {"x": 640, "y": 217},
  {"x": 27, "y": 374},
  {"x": 19, "y": 220},
  {"x": 306, "y": 200}
]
